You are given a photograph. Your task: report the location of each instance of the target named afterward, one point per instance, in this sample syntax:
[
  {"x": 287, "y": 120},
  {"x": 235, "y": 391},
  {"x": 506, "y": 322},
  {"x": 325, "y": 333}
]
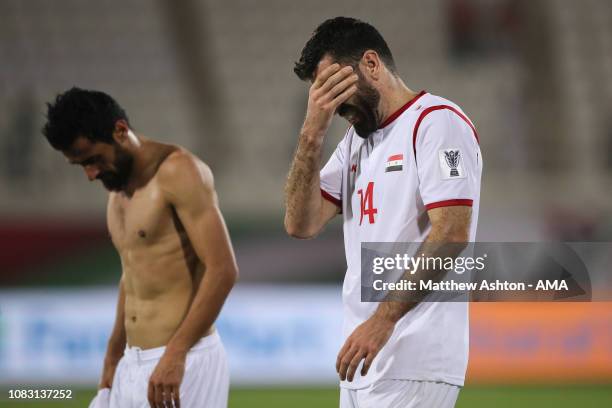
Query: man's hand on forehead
[
  {"x": 332, "y": 86},
  {"x": 335, "y": 75},
  {"x": 327, "y": 67}
]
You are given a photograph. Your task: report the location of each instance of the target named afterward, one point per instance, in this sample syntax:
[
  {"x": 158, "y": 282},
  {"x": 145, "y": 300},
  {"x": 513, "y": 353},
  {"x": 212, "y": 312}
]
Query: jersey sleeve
[
  {"x": 447, "y": 158},
  {"x": 331, "y": 175}
]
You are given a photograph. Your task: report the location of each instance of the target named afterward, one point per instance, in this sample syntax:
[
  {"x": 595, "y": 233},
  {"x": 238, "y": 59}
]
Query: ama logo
[{"x": 551, "y": 285}]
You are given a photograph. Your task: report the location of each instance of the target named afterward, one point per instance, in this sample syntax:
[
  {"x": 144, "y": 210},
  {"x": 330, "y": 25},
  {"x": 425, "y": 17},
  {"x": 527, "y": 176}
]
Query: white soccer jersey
[{"x": 426, "y": 155}]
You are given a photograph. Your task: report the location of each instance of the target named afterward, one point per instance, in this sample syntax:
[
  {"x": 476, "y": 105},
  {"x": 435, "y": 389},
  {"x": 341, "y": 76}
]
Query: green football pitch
[{"x": 596, "y": 396}]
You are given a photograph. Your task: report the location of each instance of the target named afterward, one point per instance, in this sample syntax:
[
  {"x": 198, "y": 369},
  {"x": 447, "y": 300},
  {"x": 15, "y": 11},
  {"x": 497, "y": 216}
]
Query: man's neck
[
  {"x": 144, "y": 165},
  {"x": 393, "y": 96}
]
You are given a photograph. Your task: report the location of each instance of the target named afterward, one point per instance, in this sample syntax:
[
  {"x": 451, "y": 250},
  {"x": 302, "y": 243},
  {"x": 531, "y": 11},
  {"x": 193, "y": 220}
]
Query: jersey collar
[{"x": 401, "y": 110}]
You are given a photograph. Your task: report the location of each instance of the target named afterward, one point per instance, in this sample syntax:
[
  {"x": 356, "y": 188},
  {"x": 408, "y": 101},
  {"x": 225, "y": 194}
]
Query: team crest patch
[
  {"x": 395, "y": 163},
  {"x": 450, "y": 164}
]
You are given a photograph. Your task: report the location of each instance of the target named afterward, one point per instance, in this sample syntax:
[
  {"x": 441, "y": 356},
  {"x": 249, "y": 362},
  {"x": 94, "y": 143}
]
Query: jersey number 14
[{"x": 367, "y": 203}]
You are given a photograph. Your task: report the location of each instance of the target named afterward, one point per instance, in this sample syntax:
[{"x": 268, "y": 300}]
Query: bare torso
[{"x": 161, "y": 271}]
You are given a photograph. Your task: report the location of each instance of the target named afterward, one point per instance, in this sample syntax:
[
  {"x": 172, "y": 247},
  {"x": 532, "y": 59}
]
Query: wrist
[
  {"x": 176, "y": 350},
  {"x": 312, "y": 138},
  {"x": 386, "y": 315}
]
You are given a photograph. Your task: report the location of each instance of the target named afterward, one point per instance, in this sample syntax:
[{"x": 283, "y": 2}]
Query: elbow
[
  {"x": 299, "y": 232},
  {"x": 458, "y": 239},
  {"x": 227, "y": 274},
  {"x": 233, "y": 275}
]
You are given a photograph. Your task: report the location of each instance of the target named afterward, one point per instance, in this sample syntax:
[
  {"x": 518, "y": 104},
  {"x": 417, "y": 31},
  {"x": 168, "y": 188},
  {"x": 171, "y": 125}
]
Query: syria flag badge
[{"x": 394, "y": 163}]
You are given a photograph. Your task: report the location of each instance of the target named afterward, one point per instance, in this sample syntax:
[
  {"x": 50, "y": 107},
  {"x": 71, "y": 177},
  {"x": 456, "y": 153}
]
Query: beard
[
  {"x": 116, "y": 180},
  {"x": 363, "y": 114}
]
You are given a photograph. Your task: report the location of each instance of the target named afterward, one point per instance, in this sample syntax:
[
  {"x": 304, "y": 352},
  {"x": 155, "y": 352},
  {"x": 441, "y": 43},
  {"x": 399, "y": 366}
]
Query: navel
[
  {"x": 142, "y": 234},
  {"x": 133, "y": 318}
]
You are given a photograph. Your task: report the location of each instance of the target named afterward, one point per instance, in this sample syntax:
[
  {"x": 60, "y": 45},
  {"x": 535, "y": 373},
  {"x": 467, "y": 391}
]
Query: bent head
[
  {"x": 92, "y": 131},
  {"x": 109, "y": 163},
  {"x": 349, "y": 41}
]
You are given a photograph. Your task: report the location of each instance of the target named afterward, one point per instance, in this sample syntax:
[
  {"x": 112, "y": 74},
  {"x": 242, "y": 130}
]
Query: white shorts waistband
[{"x": 138, "y": 354}]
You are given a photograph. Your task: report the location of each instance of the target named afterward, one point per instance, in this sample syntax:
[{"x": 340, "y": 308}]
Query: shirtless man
[{"x": 177, "y": 261}]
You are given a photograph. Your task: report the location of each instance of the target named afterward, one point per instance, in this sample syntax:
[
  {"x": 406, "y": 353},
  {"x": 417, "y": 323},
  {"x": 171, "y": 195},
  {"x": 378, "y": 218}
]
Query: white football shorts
[
  {"x": 205, "y": 383},
  {"x": 401, "y": 394}
]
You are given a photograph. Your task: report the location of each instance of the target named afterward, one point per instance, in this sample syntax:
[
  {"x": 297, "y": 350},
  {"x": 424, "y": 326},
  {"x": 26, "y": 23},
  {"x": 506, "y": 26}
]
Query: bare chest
[{"x": 141, "y": 220}]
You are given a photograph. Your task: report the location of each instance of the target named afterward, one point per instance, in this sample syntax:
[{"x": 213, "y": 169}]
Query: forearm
[
  {"x": 305, "y": 214},
  {"x": 204, "y": 310},
  {"x": 439, "y": 243},
  {"x": 302, "y": 191},
  {"x": 394, "y": 310}
]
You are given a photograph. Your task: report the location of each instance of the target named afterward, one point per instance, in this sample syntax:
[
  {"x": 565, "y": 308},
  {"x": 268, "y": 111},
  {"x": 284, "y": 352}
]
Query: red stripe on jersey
[
  {"x": 435, "y": 108},
  {"x": 396, "y": 157},
  {"x": 398, "y": 112},
  {"x": 331, "y": 198},
  {"x": 449, "y": 203}
]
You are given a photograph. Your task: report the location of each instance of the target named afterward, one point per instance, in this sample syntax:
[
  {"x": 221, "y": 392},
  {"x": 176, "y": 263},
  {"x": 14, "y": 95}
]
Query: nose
[{"x": 92, "y": 172}]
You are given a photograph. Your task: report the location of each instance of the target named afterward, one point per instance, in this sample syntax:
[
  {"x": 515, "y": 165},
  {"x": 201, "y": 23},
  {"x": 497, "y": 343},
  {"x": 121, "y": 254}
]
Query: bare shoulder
[{"x": 180, "y": 166}]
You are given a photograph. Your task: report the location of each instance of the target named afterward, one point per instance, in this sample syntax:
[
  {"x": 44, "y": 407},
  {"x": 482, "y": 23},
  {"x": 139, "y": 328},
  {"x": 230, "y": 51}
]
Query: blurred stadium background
[{"x": 216, "y": 77}]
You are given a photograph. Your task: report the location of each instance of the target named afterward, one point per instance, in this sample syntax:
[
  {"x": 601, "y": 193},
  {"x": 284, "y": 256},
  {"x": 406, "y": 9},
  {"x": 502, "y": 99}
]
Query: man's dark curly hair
[
  {"x": 80, "y": 112},
  {"x": 345, "y": 39}
]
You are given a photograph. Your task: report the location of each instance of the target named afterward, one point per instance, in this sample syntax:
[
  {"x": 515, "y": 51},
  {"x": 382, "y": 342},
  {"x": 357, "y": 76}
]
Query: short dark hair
[
  {"x": 81, "y": 112},
  {"x": 345, "y": 39}
]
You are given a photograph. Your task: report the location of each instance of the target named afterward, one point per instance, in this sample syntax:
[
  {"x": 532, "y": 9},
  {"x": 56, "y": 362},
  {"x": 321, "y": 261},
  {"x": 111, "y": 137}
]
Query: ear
[
  {"x": 120, "y": 133},
  {"x": 372, "y": 65}
]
